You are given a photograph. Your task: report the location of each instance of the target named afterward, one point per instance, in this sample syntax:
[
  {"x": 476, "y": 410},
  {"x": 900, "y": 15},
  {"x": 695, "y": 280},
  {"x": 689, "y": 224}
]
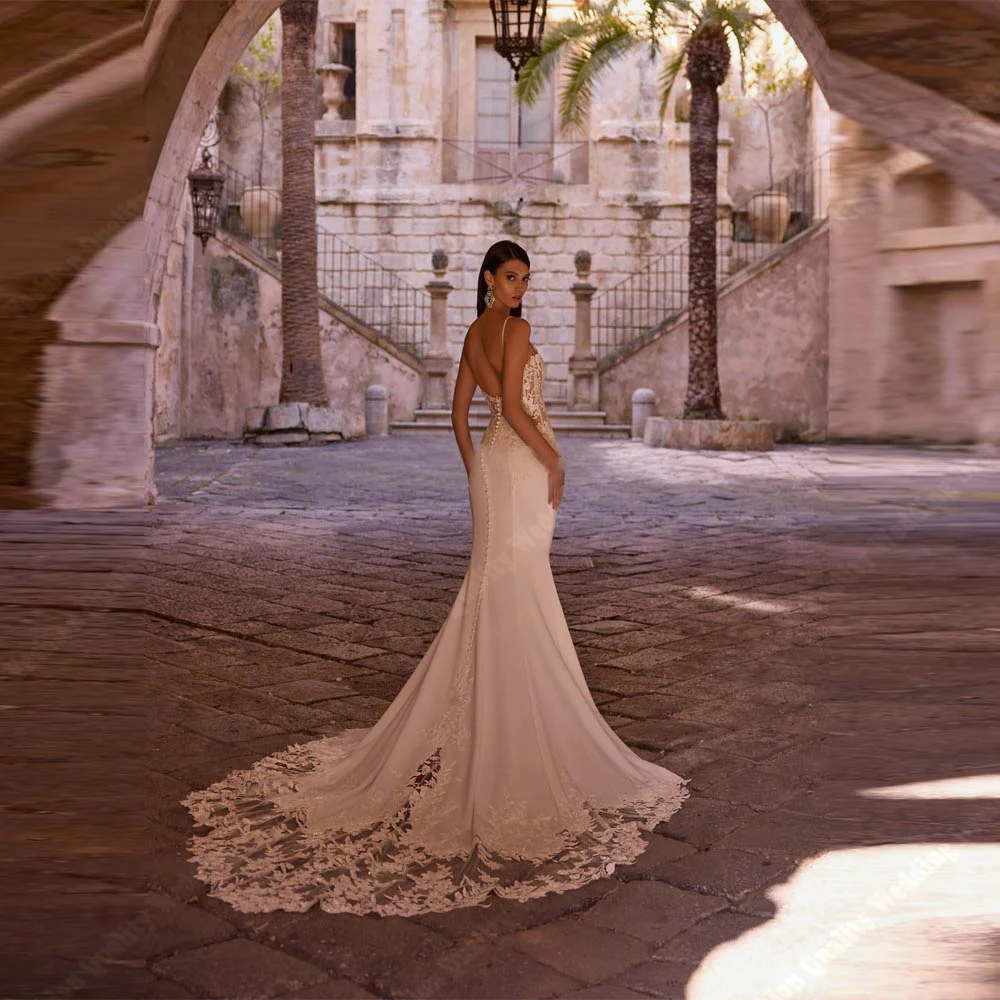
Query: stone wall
[
  {"x": 772, "y": 348},
  {"x": 915, "y": 299},
  {"x": 402, "y": 236},
  {"x": 220, "y": 349}
]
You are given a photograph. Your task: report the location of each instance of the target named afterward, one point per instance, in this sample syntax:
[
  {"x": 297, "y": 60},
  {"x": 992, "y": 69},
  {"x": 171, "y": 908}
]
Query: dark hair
[{"x": 497, "y": 255}]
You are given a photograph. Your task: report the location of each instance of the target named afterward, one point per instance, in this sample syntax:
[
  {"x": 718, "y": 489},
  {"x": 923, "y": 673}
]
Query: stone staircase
[{"x": 589, "y": 423}]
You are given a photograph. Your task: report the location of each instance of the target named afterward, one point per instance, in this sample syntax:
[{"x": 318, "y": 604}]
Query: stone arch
[
  {"x": 963, "y": 142},
  {"x": 93, "y": 441},
  {"x": 168, "y": 187}
]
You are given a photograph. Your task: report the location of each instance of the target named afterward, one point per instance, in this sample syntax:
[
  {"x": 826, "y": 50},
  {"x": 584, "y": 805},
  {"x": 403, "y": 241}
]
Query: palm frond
[
  {"x": 539, "y": 69},
  {"x": 668, "y": 77},
  {"x": 741, "y": 24},
  {"x": 587, "y": 63}
]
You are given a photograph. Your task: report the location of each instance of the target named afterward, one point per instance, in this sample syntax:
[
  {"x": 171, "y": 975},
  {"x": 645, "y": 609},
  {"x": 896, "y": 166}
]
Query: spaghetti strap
[{"x": 502, "y": 329}]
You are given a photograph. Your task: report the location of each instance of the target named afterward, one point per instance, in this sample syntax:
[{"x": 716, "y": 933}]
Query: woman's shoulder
[{"x": 518, "y": 326}]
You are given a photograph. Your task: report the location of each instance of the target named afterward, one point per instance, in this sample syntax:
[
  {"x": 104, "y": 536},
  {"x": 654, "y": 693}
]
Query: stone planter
[
  {"x": 334, "y": 76},
  {"x": 261, "y": 211},
  {"x": 710, "y": 435},
  {"x": 298, "y": 423},
  {"x": 769, "y": 213}
]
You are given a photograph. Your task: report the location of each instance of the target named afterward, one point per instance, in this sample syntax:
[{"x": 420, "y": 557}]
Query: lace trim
[
  {"x": 259, "y": 858},
  {"x": 499, "y": 432}
]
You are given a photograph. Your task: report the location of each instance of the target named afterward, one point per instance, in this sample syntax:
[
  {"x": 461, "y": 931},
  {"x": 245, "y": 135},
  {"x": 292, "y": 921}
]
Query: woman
[{"x": 492, "y": 771}]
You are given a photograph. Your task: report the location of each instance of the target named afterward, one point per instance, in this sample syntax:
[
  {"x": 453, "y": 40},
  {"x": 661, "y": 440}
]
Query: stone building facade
[{"x": 426, "y": 147}]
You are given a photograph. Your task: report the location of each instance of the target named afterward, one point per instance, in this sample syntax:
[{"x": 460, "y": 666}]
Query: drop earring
[{"x": 488, "y": 298}]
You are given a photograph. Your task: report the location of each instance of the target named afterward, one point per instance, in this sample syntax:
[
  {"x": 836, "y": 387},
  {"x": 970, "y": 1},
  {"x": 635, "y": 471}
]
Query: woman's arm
[
  {"x": 517, "y": 350},
  {"x": 465, "y": 386}
]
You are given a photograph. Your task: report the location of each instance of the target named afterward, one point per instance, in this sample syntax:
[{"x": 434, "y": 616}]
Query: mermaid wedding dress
[{"x": 491, "y": 772}]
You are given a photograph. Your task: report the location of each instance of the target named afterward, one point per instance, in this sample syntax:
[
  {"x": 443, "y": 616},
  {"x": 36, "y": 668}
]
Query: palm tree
[
  {"x": 302, "y": 378},
  {"x": 602, "y": 34}
]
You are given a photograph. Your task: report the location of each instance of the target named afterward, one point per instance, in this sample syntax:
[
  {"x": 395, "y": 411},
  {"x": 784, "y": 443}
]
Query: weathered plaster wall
[
  {"x": 226, "y": 357},
  {"x": 915, "y": 287},
  {"x": 772, "y": 348}
]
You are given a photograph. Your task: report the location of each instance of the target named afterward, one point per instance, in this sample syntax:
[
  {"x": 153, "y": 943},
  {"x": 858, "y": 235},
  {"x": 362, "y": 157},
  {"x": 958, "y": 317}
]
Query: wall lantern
[
  {"x": 206, "y": 194},
  {"x": 518, "y": 25}
]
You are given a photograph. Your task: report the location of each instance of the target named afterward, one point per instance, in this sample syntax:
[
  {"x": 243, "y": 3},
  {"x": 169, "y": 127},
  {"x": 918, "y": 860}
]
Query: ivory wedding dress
[{"x": 491, "y": 772}]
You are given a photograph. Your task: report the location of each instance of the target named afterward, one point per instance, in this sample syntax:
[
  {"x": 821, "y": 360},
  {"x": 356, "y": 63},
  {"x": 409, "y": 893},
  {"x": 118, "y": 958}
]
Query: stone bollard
[
  {"x": 376, "y": 411},
  {"x": 643, "y": 401}
]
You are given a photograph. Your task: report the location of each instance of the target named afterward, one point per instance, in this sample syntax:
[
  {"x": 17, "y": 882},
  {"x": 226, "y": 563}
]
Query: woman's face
[{"x": 509, "y": 283}]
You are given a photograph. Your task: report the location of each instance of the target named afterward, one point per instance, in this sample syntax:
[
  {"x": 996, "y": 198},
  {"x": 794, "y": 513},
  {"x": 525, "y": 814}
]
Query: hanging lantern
[
  {"x": 518, "y": 25},
  {"x": 206, "y": 194}
]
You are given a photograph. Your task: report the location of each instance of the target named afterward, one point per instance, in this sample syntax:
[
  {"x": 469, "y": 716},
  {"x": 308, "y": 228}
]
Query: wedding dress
[{"x": 492, "y": 773}]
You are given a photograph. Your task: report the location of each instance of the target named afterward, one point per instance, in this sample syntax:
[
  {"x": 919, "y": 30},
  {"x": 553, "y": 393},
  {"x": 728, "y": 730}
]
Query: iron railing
[
  {"x": 646, "y": 299},
  {"x": 380, "y": 298},
  {"x": 637, "y": 306},
  {"x": 529, "y": 162},
  {"x": 356, "y": 282}
]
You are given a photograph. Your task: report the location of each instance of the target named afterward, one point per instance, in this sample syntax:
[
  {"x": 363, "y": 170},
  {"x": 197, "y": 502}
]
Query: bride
[{"x": 492, "y": 773}]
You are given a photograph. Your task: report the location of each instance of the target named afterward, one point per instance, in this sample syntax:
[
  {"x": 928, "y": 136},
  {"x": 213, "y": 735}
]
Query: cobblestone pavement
[{"x": 810, "y": 635}]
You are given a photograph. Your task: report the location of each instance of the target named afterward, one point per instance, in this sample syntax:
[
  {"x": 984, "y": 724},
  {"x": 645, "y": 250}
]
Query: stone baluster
[
  {"x": 438, "y": 362},
  {"x": 584, "y": 388}
]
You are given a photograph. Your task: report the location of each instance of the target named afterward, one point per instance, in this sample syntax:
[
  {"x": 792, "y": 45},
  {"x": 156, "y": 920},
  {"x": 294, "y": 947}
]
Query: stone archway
[
  {"x": 93, "y": 443},
  {"x": 92, "y": 179},
  {"x": 957, "y": 124}
]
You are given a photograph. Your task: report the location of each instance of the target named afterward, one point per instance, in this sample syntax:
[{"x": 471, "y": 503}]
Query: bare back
[{"x": 484, "y": 351}]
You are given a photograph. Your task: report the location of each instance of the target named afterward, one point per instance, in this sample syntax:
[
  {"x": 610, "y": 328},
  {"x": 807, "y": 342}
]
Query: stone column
[
  {"x": 93, "y": 446},
  {"x": 438, "y": 362},
  {"x": 584, "y": 388}
]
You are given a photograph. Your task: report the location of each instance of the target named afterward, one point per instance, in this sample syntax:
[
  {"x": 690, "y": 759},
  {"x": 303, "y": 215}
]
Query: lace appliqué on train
[{"x": 384, "y": 867}]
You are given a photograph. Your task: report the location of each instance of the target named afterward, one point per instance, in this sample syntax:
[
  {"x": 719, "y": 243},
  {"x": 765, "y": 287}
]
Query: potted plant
[
  {"x": 769, "y": 82},
  {"x": 260, "y": 205}
]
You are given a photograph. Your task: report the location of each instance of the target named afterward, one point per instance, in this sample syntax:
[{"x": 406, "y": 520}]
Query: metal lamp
[
  {"x": 206, "y": 194},
  {"x": 518, "y": 25}
]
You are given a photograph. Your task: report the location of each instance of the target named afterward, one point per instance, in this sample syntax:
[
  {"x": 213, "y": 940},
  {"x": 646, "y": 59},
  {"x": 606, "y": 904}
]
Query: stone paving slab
[{"x": 808, "y": 634}]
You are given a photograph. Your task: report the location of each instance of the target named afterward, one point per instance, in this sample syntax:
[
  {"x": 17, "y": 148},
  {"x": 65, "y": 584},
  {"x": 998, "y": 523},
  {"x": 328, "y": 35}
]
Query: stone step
[
  {"x": 576, "y": 428},
  {"x": 477, "y": 417}
]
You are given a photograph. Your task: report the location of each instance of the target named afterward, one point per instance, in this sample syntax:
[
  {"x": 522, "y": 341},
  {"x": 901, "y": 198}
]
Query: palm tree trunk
[
  {"x": 708, "y": 62},
  {"x": 302, "y": 378}
]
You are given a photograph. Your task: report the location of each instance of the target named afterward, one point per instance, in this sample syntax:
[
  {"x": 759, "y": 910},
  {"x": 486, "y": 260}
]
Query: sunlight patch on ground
[
  {"x": 974, "y": 786},
  {"x": 736, "y": 601},
  {"x": 893, "y": 922}
]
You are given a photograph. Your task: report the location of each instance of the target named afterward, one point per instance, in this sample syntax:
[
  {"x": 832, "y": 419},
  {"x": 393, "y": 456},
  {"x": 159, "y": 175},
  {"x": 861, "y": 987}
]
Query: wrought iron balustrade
[
  {"x": 760, "y": 223},
  {"x": 355, "y": 281}
]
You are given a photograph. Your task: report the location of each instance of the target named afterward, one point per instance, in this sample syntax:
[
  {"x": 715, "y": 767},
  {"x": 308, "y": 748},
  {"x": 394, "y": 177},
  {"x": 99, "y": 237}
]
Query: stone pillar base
[
  {"x": 583, "y": 391},
  {"x": 297, "y": 423},
  {"x": 711, "y": 435},
  {"x": 93, "y": 447},
  {"x": 437, "y": 368}
]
